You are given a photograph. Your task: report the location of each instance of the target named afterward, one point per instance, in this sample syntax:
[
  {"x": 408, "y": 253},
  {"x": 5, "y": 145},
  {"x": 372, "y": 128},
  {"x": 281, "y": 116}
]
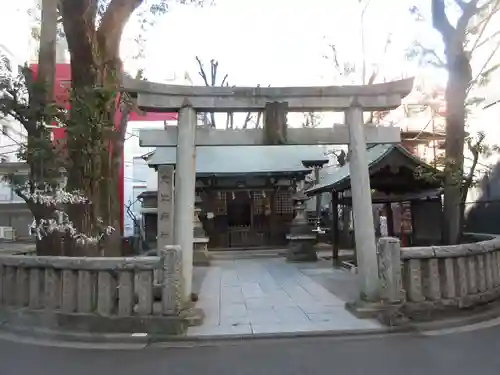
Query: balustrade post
[
  {"x": 389, "y": 265},
  {"x": 200, "y": 241}
]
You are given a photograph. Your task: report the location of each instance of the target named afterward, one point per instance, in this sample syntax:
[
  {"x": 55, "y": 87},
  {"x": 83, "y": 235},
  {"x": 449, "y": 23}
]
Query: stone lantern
[
  {"x": 301, "y": 239},
  {"x": 200, "y": 240},
  {"x": 316, "y": 165}
]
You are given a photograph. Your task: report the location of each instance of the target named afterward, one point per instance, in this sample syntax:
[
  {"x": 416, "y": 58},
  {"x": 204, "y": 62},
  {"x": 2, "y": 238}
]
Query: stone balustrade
[
  {"x": 93, "y": 294},
  {"x": 440, "y": 277}
]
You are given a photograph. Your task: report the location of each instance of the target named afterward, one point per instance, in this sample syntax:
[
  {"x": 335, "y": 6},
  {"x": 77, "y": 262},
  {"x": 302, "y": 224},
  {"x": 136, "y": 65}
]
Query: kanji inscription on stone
[
  {"x": 165, "y": 205},
  {"x": 164, "y": 234},
  {"x": 165, "y": 196}
]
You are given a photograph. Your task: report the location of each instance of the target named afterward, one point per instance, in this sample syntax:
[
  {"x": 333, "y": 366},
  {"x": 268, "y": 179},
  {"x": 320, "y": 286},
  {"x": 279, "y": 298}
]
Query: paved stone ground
[
  {"x": 269, "y": 295},
  {"x": 339, "y": 282}
]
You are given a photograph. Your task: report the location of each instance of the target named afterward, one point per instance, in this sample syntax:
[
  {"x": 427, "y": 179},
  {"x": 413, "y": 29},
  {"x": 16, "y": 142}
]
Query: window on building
[{"x": 284, "y": 203}]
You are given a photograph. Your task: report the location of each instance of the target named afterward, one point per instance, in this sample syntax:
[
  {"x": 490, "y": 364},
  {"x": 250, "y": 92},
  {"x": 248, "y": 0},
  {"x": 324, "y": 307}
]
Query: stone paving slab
[{"x": 253, "y": 296}]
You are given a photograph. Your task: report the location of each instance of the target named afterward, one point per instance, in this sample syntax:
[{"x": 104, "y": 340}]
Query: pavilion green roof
[{"x": 228, "y": 160}]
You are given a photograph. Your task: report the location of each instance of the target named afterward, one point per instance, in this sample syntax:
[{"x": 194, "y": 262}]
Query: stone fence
[
  {"x": 93, "y": 294},
  {"x": 440, "y": 277}
]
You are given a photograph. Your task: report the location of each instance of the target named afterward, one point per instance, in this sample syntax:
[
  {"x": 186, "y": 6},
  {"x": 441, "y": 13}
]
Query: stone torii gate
[{"x": 275, "y": 102}]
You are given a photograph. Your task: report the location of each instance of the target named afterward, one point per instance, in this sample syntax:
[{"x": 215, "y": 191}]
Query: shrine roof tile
[
  {"x": 228, "y": 160},
  {"x": 333, "y": 177}
]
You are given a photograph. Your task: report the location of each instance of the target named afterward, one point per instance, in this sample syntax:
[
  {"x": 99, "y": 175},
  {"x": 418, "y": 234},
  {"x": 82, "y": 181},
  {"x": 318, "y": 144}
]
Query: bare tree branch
[
  {"x": 439, "y": 63},
  {"x": 476, "y": 149},
  {"x": 468, "y": 11},
  {"x": 201, "y": 71},
  {"x": 224, "y": 81},
  {"x": 483, "y": 71},
  {"x": 483, "y": 24},
  {"x": 485, "y": 41},
  {"x": 247, "y": 120},
  {"x": 492, "y": 104},
  {"x": 213, "y": 75}
]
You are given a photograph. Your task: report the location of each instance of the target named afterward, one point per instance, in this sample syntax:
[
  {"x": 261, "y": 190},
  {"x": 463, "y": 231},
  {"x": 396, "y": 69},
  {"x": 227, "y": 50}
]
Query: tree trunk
[
  {"x": 460, "y": 75},
  {"x": 47, "y": 52},
  {"x": 462, "y": 218},
  {"x": 93, "y": 141},
  {"x": 40, "y": 156},
  {"x": 50, "y": 244}
]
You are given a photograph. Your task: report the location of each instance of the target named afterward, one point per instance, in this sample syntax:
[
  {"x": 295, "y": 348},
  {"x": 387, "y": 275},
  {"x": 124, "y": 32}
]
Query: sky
[
  {"x": 15, "y": 27},
  {"x": 278, "y": 43},
  {"x": 281, "y": 43},
  {"x": 266, "y": 42}
]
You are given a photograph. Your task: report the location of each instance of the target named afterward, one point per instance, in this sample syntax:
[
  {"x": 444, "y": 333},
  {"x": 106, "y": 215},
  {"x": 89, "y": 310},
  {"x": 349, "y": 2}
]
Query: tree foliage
[{"x": 91, "y": 154}]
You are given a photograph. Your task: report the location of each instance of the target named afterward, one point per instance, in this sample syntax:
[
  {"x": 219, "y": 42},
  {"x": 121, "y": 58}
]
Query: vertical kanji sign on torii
[{"x": 276, "y": 101}]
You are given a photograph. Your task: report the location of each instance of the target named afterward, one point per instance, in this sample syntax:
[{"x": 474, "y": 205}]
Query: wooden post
[
  {"x": 318, "y": 196},
  {"x": 272, "y": 218},
  {"x": 335, "y": 227},
  {"x": 390, "y": 219}
]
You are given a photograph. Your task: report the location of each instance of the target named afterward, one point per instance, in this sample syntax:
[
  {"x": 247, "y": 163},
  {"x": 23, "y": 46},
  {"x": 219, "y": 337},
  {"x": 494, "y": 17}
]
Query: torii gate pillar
[
  {"x": 184, "y": 190},
  {"x": 364, "y": 232}
]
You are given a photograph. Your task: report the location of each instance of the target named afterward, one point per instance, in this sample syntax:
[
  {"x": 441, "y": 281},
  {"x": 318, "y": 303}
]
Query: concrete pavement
[
  {"x": 266, "y": 296},
  {"x": 462, "y": 353}
]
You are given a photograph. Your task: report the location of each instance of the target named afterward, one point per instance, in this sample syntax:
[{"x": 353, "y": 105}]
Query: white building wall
[
  {"x": 12, "y": 133},
  {"x": 138, "y": 177}
]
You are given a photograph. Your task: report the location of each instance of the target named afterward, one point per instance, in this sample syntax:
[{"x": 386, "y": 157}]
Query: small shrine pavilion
[
  {"x": 404, "y": 191},
  {"x": 246, "y": 192}
]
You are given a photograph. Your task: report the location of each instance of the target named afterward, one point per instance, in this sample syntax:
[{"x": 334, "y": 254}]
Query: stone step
[{"x": 247, "y": 254}]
